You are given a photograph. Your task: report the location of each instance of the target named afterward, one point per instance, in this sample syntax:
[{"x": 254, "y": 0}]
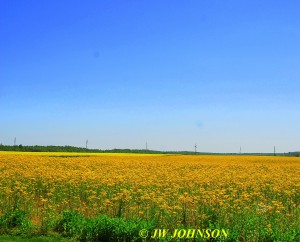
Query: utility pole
[
  {"x": 86, "y": 143},
  {"x": 195, "y": 148},
  {"x": 15, "y": 141},
  {"x": 274, "y": 151}
]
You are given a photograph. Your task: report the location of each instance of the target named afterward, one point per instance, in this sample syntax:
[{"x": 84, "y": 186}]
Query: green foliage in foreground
[
  {"x": 101, "y": 228},
  {"x": 16, "y": 222},
  {"x": 72, "y": 226},
  {"x": 7, "y": 238}
]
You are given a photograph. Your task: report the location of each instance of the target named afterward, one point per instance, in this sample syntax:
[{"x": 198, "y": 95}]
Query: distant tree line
[
  {"x": 52, "y": 148},
  {"x": 296, "y": 154},
  {"x": 38, "y": 148}
]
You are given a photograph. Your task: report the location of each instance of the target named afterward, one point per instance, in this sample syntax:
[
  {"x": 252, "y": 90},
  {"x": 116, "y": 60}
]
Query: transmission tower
[
  {"x": 195, "y": 148},
  {"x": 15, "y": 141},
  {"x": 86, "y": 143}
]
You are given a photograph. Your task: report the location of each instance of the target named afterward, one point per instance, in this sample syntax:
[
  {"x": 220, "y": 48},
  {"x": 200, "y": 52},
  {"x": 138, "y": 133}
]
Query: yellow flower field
[{"x": 248, "y": 195}]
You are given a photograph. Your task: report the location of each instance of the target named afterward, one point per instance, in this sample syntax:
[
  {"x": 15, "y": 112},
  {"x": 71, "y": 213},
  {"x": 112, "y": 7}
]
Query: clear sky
[{"x": 222, "y": 74}]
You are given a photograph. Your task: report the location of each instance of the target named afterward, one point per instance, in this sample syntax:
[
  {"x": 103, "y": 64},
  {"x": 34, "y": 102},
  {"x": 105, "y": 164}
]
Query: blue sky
[{"x": 222, "y": 74}]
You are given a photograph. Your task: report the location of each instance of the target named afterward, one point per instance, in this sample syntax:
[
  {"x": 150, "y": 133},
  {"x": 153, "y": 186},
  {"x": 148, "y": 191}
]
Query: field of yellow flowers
[{"x": 255, "y": 198}]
